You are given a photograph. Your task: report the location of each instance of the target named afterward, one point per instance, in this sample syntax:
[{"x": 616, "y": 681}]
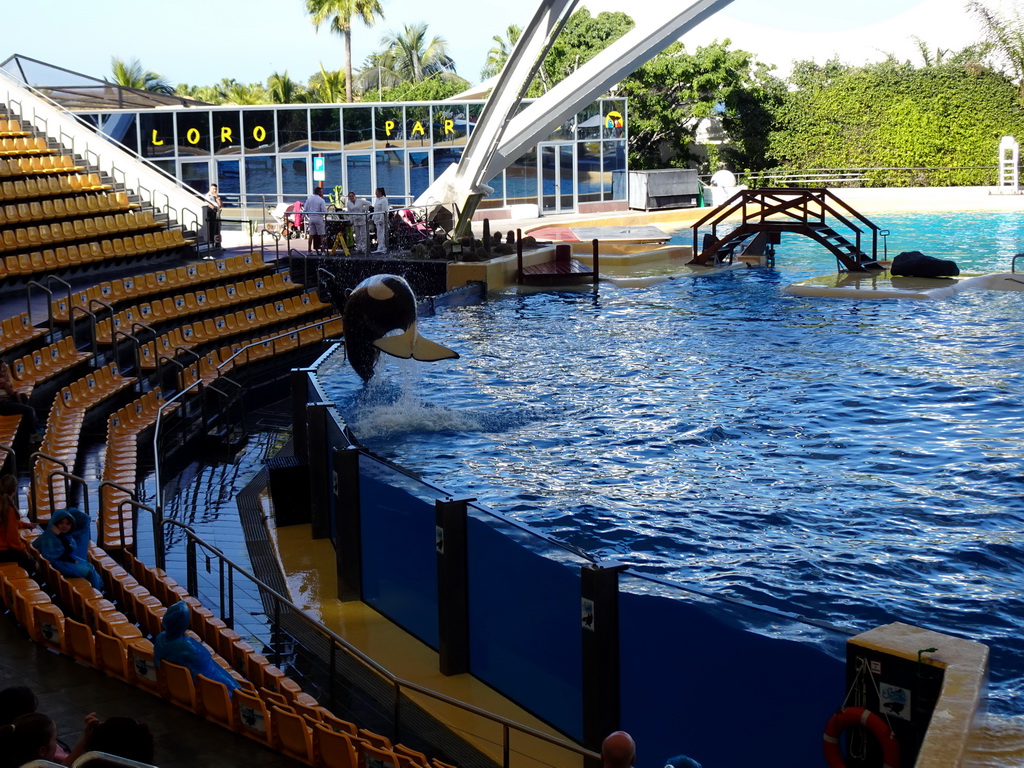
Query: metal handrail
[{"x": 358, "y": 655}]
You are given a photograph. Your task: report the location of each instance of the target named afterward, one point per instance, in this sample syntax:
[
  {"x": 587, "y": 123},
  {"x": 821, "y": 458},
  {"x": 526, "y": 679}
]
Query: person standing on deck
[{"x": 380, "y": 219}]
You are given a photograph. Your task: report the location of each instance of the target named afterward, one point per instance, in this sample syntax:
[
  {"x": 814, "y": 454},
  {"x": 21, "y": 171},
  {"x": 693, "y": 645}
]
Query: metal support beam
[
  {"x": 319, "y": 475},
  {"x": 452, "y": 586},
  {"x": 600, "y": 651},
  {"x": 348, "y": 547}
]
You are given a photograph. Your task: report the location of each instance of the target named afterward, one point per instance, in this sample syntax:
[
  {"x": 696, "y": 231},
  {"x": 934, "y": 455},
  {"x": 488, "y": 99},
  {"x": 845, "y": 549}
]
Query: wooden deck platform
[{"x": 563, "y": 270}]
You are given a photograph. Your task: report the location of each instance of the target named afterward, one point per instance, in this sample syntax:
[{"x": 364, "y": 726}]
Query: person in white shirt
[
  {"x": 358, "y": 207},
  {"x": 313, "y": 211},
  {"x": 380, "y": 219}
]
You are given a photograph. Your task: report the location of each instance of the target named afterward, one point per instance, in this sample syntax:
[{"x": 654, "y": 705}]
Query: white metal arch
[{"x": 499, "y": 138}]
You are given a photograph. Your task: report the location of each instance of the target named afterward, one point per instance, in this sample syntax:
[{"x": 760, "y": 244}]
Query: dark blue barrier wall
[
  {"x": 696, "y": 681},
  {"x": 524, "y": 612},
  {"x": 399, "y": 562}
]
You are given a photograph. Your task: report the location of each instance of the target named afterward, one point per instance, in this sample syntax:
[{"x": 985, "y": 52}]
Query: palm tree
[
  {"x": 412, "y": 57},
  {"x": 1006, "y": 35},
  {"x": 327, "y": 87},
  {"x": 283, "y": 90},
  {"x": 252, "y": 93},
  {"x": 132, "y": 75},
  {"x": 340, "y": 13},
  {"x": 498, "y": 55}
]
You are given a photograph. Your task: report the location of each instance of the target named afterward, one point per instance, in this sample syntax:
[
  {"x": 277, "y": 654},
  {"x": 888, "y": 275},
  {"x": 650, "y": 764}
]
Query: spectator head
[
  {"x": 380, "y": 192},
  {"x": 9, "y": 485},
  {"x": 16, "y": 701},
  {"x": 618, "y": 750},
  {"x": 123, "y": 737},
  {"x": 319, "y": 191},
  {"x": 29, "y": 737}
]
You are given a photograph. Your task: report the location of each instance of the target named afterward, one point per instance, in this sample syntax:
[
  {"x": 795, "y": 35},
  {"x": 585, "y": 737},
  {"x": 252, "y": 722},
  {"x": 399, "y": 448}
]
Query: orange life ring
[{"x": 842, "y": 720}]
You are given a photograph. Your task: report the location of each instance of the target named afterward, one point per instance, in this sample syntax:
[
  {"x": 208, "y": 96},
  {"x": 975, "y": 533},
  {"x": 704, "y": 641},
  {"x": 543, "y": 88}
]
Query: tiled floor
[{"x": 68, "y": 691}]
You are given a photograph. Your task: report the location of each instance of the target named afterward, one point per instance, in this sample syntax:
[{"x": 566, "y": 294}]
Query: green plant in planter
[{"x": 336, "y": 197}]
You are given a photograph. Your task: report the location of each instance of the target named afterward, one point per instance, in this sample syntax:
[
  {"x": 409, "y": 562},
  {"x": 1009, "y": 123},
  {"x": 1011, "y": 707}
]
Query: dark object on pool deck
[
  {"x": 916, "y": 264},
  {"x": 377, "y": 306}
]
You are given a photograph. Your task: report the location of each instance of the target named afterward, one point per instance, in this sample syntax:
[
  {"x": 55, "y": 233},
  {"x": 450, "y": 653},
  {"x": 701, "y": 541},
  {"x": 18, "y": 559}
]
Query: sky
[{"x": 199, "y": 42}]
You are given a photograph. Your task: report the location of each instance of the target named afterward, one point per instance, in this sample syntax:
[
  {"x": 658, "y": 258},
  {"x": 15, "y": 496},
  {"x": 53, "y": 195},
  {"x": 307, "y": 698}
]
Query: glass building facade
[{"x": 262, "y": 155}]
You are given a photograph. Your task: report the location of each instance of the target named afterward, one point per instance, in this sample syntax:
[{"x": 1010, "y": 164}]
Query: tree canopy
[
  {"x": 675, "y": 91},
  {"x": 341, "y": 13},
  {"x": 892, "y": 114}
]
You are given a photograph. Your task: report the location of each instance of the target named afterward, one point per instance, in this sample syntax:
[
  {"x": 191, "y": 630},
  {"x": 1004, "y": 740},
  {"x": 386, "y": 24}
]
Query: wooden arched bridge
[{"x": 764, "y": 214}]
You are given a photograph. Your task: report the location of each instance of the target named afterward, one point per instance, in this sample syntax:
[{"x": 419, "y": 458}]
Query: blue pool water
[{"x": 855, "y": 461}]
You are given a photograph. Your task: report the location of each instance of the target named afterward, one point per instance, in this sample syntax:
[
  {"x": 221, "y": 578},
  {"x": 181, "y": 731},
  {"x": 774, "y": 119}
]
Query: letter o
[
  {"x": 192, "y": 136},
  {"x": 259, "y": 133}
]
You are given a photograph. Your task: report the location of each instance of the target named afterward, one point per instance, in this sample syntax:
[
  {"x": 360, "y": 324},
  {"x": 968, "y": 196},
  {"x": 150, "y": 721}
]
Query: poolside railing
[{"x": 892, "y": 176}]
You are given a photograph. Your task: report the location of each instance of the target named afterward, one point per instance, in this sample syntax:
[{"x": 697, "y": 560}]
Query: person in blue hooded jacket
[
  {"x": 175, "y": 646},
  {"x": 65, "y": 543}
]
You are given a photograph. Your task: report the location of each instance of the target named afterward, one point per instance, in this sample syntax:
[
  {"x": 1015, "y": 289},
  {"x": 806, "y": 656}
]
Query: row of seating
[
  {"x": 173, "y": 308},
  {"x": 12, "y": 127},
  {"x": 109, "y": 633},
  {"x": 115, "y": 292},
  {"x": 38, "y": 164},
  {"x": 24, "y": 145},
  {"x": 26, "y": 238},
  {"x": 51, "y": 186},
  {"x": 62, "y": 433},
  {"x": 120, "y": 466},
  {"x": 17, "y": 330},
  {"x": 43, "y": 364},
  {"x": 219, "y": 329},
  {"x": 27, "y": 265},
  {"x": 49, "y": 209}
]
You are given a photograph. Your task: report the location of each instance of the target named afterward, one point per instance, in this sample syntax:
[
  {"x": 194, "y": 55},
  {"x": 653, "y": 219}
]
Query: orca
[{"x": 378, "y": 306}]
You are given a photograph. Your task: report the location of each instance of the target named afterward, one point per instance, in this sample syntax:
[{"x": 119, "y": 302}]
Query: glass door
[{"x": 556, "y": 175}]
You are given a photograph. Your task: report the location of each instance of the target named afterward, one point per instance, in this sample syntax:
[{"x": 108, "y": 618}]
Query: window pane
[
  {"x": 260, "y": 178},
  {"x": 449, "y": 125},
  {"x": 419, "y": 173},
  {"x": 197, "y": 176},
  {"x": 227, "y": 132},
  {"x": 391, "y": 174},
  {"x": 119, "y": 126},
  {"x": 417, "y": 126},
  {"x": 445, "y": 157},
  {"x": 614, "y": 125},
  {"x": 588, "y": 171},
  {"x": 228, "y": 177},
  {"x": 588, "y": 122},
  {"x": 521, "y": 179},
  {"x": 325, "y": 129},
  {"x": 474, "y": 115},
  {"x": 497, "y": 198},
  {"x": 193, "y": 133},
  {"x": 614, "y": 167},
  {"x": 356, "y": 127},
  {"x": 157, "y": 134},
  {"x": 167, "y": 166},
  {"x": 357, "y": 175},
  {"x": 388, "y": 126},
  {"x": 333, "y": 172},
  {"x": 292, "y": 130},
  {"x": 258, "y": 130},
  {"x": 294, "y": 179}
]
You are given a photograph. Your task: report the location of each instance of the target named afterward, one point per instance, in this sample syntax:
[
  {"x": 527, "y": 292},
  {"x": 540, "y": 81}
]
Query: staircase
[{"x": 771, "y": 212}]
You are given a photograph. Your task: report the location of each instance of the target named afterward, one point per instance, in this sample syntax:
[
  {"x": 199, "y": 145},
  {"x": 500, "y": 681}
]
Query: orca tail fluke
[{"x": 411, "y": 344}]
